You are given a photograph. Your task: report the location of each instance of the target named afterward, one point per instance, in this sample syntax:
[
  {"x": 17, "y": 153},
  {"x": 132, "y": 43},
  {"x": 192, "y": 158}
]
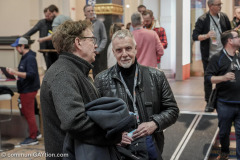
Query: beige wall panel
[
  {"x": 133, "y": 4},
  {"x": 79, "y": 9}
]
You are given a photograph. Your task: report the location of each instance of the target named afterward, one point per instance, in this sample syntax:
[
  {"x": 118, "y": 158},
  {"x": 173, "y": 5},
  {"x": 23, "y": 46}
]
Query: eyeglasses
[
  {"x": 219, "y": 4},
  {"x": 94, "y": 39},
  {"x": 235, "y": 37}
]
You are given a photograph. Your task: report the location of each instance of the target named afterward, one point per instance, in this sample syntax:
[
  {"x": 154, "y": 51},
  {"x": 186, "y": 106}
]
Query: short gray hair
[
  {"x": 136, "y": 19},
  {"x": 210, "y": 2},
  {"x": 123, "y": 33}
]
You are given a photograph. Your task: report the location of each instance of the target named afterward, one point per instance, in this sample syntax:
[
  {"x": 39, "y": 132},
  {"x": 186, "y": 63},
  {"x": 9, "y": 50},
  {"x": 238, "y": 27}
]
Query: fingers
[{"x": 126, "y": 139}]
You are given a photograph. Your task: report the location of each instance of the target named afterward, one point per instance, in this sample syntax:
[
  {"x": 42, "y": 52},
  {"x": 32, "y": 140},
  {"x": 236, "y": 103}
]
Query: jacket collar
[{"x": 83, "y": 65}]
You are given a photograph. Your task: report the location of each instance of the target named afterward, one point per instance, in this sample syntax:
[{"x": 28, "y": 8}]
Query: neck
[
  {"x": 150, "y": 27},
  {"x": 128, "y": 71},
  {"x": 230, "y": 50},
  {"x": 137, "y": 27},
  {"x": 213, "y": 14},
  {"x": 25, "y": 51}
]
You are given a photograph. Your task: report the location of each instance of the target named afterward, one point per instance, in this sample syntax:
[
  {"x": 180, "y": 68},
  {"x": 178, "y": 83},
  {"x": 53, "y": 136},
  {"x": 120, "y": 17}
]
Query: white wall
[
  {"x": 18, "y": 16},
  {"x": 165, "y": 11},
  {"x": 128, "y": 11},
  {"x": 154, "y": 6},
  {"x": 186, "y": 29}
]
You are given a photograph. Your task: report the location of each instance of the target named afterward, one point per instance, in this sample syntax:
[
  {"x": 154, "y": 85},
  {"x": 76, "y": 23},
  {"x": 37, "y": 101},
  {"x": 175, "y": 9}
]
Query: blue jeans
[{"x": 228, "y": 113}]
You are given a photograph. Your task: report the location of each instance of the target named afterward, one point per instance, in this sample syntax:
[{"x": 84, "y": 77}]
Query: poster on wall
[
  {"x": 237, "y": 3},
  {"x": 198, "y": 3},
  {"x": 91, "y": 2}
]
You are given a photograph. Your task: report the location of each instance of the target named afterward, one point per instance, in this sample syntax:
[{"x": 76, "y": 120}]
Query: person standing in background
[
  {"x": 151, "y": 24},
  {"x": 99, "y": 32},
  {"x": 28, "y": 84},
  {"x": 53, "y": 11},
  {"x": 208, "y": 29},
  {"x": 149, "y": 46},
  {"x": 44, "y": 26},
  {"x": 235, "y": 23},
  {"x": 224, "y": 70},
  {"x": 141, "y": 8}
]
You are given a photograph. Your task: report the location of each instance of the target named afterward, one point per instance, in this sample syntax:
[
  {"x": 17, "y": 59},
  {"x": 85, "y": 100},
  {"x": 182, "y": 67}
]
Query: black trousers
[
  {"x": 50, "y": 58},
  {"x": 207, "y": 84}
]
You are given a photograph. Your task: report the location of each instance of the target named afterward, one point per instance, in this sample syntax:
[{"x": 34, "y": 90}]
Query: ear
[
  {"x": 77, "y": 42},
  {"x": 114, "y": 53}
]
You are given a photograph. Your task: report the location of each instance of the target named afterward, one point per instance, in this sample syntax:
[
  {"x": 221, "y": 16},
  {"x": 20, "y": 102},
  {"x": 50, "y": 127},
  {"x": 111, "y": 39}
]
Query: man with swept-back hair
[
  {"x": 208, "y": 29},
  {"x": 145, "y": 90},
  {"x": 67, "y": 87}
]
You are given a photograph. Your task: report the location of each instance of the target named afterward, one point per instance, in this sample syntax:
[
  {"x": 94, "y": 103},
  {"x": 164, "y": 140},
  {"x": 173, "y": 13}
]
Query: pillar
[{"x": 109, "y": 11}]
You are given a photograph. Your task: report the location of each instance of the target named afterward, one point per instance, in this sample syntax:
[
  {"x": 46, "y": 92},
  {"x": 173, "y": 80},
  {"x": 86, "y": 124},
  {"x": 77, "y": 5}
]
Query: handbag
[{"x": 212, "y": 101}]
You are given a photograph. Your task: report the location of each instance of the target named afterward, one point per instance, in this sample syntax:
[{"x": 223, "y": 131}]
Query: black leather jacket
[
  {"x": 153, "y": 94},
  {"x": 202, "y": 26}
]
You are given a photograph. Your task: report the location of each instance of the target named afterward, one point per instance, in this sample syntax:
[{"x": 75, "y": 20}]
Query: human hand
[
  {"x": 144, "y": 129},
  {"x": 228, "y": 76},
  {"x": 237, "y": 28},
  {"x": 125, "y": 139},
  {"x": 11, "y": 71},
  {"x": 211, "y": 34},
  {"x": 40, "y": 40}
]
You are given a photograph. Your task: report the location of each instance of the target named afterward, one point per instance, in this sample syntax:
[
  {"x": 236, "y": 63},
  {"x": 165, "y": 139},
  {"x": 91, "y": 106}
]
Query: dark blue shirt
[{"x": 28, "y": 64}]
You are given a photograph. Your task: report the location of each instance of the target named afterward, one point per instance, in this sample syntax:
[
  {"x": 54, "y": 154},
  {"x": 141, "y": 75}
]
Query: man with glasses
[
  {"x": 99, "y": 32},
  {"x": 224, "y": 70},
  {"x": 208, "y": 29},
  {"x": 67, "y": 87}
]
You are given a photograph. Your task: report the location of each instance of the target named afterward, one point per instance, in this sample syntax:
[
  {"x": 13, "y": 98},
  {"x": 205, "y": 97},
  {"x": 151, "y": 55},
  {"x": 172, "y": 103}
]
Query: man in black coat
[
  {"x": 208, "y": 29},
  {"x": 145, "y": 90}
]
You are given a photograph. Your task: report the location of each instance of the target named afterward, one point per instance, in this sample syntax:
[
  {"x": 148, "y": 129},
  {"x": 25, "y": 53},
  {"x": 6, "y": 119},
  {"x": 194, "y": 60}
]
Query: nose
[
  {"x": 124, "y": 54},
  {"x": 95, "y": 46}
]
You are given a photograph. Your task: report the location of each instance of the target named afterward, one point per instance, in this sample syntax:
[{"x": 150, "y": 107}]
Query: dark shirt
[
  {"x": 43, "y": 26},
  {"x": 226, "y": 91},
  {"x": 28, "y": 64}
]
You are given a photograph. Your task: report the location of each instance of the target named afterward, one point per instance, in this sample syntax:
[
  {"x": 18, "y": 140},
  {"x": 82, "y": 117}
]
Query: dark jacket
[
  {"x": 43, "y": 26},
  {"x": 28, "y": 64},
  {"x": 65, "y": 90},
  {"x": 153, "y": 94},
  {"x": 202, "y": 26},
  {"x": 112, "y": 115}
]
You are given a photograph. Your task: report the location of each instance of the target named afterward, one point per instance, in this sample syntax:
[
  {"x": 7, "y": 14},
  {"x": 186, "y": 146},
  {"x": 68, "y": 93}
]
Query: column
[{"x": 109, "y": 11}]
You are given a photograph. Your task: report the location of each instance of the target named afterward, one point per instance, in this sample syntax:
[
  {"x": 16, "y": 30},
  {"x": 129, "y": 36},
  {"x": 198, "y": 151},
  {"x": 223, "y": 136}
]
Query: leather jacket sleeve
[{"x": 169, "y": 110}]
